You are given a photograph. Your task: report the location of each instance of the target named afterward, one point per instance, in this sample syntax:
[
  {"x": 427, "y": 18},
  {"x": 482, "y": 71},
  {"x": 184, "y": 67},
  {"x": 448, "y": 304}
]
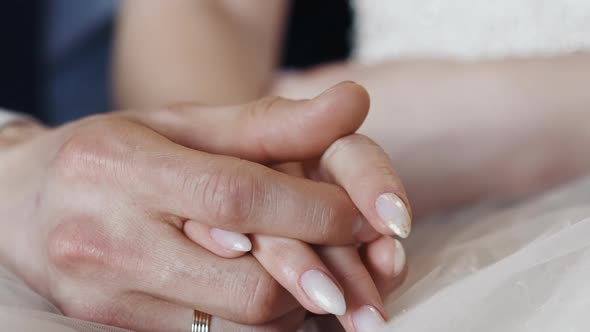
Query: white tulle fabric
[
  {"x": 469, "y": 28},
  {"x": 487, "y": 269},
  {"x": 21, "y": 309}
]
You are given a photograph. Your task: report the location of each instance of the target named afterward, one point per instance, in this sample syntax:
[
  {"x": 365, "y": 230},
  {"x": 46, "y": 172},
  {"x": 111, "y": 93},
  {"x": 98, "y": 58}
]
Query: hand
[
  {"x": 96, "y": 211},
  {"x": 355, "y": 163}
]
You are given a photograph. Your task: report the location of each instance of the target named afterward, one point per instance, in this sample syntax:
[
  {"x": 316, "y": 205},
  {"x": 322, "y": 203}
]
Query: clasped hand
[{"x": 128, "y": 218}]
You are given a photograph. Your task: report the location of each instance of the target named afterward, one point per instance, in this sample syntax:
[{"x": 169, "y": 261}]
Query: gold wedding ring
[{"x": 201, "y": 322}]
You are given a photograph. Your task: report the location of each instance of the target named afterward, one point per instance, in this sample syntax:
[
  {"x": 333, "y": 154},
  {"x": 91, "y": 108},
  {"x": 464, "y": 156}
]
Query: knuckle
[
  {"x": 89, "y": 151},
  {"x": 262, "y": 140},
  {"x": 262, "y": 106},
  {"x": 327, "y": 216},
  {"x": 181, "y": 107},
  {"x": 385, "y": 172},
  {"x": 73, "y": 246},
  {"x": 349, "y": 142},
  {"x": 229, "y": 196},
  {"x": 261, "y": 295}
]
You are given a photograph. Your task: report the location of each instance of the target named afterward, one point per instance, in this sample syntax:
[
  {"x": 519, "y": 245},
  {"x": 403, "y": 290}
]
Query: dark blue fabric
[
  {"x": 77, "y": 59},
  {"x": 68, "y": 76},
  {"x": 20, "y": 51}
]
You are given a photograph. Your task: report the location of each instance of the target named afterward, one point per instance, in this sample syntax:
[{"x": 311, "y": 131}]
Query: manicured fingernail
[
  {"x": 399, "y": 258},
  {"x": 367, "y": 319},
  {"x": 394, "y": 214},
  {"x": 323, "y": 291},
  {"x": 230, "y": 240}
]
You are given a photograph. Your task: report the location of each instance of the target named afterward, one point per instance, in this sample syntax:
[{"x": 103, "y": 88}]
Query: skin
[
  {"x": 94, "y": 221},
  {"x": 181, "y": 77},
  {"x": 205, "y": 40},
  {"x": 422, "y": 116},
  {"x": 419, "y": 109}
]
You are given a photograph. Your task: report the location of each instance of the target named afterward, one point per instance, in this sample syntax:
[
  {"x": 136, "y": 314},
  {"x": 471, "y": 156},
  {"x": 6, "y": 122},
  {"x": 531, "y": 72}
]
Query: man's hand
[{"x": 94, "y": 211}]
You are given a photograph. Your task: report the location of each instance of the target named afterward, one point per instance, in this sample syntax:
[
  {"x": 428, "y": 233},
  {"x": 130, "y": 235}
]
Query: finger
[
  {"x": 364, "y": 170},
  {"x": 385, "y": 259},
  {"x": 384, "y": 272},
  {"x": 267, "y": 130},
  {"x": 239, "y": 196},
  {"x": 220, "y": 242},
  {"x": 293, "y": 169},
  {"x": 178, "y": 271},
  {"x": 365, "y": 307},
  {"x": 143, "y": 313},
  {"x": 297, "y": 267}
]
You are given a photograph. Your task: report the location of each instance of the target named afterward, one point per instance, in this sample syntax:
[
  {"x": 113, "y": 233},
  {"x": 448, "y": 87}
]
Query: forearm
[
  {"x": 206, "y": 51},
  {"x": 457, "y": 131},
  {"x": 491, "y": 129}
]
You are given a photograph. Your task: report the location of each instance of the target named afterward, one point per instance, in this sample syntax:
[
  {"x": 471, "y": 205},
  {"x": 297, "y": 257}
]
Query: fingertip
[
  {"x": 323, "y": 291},
  {"x": 385, "y": 263},
  {"x": 231, "y": 240},
  {"x": 220, "y": 242},
  {"x": 399, "y": 258},
  {"x": 385, "y": 258},
  {"x": 368, "y": 318}
]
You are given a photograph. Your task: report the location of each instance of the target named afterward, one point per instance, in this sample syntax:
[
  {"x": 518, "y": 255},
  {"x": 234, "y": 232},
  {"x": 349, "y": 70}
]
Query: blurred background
[{"x": 54, "y": 62}]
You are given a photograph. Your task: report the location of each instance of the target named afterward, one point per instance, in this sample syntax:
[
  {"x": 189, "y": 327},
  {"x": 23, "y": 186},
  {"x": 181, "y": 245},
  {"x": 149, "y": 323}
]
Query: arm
[
  {"x": 183, "y": 50},
  {"x": 459, "y": 131}
]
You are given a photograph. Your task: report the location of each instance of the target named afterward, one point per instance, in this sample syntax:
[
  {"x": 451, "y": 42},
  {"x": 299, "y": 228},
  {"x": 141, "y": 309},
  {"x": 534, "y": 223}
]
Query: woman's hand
[
  {"x": 364, "y": 279},
  {"x": 358, "y": 165},
  {"x": 95, "y": 212}
]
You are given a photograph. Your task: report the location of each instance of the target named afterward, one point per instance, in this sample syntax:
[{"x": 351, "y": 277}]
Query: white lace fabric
[{"x": 469, "y": 29}]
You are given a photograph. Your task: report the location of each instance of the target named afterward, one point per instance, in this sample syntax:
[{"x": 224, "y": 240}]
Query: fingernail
[
  {"x": 399, "y": 258},
  {"x": 367, "y": 318},
  {"x": 323, "y": 291},
  {"x": 230, "y": 240},
  {"x": 394, "y": 214}
]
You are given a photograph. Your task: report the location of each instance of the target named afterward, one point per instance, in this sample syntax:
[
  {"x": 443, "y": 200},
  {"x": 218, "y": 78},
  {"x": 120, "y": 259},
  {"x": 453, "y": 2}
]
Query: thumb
[{"x": 270, "y": 129}]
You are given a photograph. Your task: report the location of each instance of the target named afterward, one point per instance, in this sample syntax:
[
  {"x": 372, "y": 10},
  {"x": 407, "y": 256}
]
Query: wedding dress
[
  {"x": 471, "y": 29},
  {"x": 489, "y": 268}
]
